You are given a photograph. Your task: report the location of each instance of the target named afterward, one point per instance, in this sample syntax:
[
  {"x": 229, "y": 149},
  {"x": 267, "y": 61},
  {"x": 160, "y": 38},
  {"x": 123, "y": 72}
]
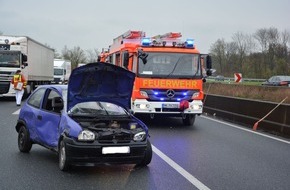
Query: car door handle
[{"x": 39, "y": 117}]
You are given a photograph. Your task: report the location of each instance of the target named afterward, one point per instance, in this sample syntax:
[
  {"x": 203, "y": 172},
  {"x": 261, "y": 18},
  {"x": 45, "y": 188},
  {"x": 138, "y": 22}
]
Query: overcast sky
[{"x": 92, "y": 24}]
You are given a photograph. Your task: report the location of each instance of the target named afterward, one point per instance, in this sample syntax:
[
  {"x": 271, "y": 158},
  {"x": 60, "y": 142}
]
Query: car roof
[{"x": 284, "y": 77}]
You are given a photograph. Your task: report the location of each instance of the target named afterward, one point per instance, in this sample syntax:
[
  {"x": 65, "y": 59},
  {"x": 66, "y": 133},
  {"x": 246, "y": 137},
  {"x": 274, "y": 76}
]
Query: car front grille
[
  {"x": 115, "y": 138},
  {"x": 4, "y": 87},
  {"x": 173, "y": 95}
]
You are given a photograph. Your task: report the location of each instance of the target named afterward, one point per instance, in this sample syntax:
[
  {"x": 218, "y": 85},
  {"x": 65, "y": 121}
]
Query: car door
[
  {"x": 47, "y": 120},
  {"x": 276, "y": 81},
  {"x": 31, "y": 113},
  {"x": 273, "y": 81}
]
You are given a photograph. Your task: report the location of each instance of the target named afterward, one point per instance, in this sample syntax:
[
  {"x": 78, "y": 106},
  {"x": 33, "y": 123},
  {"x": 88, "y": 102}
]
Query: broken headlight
[
  {"x": 86, "y": 135},
  {"x": 139, "y": 136}
]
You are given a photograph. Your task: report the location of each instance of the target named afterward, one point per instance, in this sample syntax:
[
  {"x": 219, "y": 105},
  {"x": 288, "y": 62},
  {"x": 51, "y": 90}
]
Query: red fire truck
[{"x": 169, "y": 73}]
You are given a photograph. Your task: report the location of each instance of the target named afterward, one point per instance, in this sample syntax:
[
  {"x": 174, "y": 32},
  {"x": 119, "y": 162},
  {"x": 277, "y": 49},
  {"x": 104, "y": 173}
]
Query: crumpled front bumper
[{"x": 90, "y": 153}]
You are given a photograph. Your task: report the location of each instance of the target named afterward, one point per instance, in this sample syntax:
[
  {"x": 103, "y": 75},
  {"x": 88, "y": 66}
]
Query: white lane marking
[
  {"x": 180, "y": 170},
  {"x": 248, "y": 130},
  {"x": 16, "y": 112}
]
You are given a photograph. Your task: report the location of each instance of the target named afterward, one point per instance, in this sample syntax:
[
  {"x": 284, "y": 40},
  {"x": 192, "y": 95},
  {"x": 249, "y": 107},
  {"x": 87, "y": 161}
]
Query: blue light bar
[
  {"x": 146, "y": 41},
  {"x": 162, "y": 99},
  {"x": 189, "y": 43},
  {"x": 184, "y": 93},
  {"x": 178, "y": 99},
  {"x": 156, "y": 93}
]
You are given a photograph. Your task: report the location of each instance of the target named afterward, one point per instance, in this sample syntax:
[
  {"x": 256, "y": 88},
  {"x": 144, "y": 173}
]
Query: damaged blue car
[{"x": 88, "y": 121}]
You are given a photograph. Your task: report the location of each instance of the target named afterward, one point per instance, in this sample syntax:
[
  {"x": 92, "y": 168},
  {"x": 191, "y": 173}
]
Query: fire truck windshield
[
  {"x": 9, "y": 59},
  {"x": 170, "y": 65}
]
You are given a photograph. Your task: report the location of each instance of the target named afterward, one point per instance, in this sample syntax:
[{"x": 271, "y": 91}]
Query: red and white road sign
[{"x": 238, "y": 77}]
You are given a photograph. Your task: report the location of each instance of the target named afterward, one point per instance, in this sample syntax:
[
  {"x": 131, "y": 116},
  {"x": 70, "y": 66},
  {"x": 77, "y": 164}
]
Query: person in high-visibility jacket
[{"x": 19, "y": 83}]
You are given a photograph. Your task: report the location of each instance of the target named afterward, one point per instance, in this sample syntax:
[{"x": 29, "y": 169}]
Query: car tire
[
  {"x": 63, "y": 161},
  {"x": 24, "y": 142},
  {"x": 148, "y": 155},
  {"x": 188, "y": 120}
]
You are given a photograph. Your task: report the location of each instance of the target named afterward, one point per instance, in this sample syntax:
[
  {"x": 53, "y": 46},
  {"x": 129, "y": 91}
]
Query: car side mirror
[
  {"x": 57, "y": 104},
  {"x": 24, "y": 58}
]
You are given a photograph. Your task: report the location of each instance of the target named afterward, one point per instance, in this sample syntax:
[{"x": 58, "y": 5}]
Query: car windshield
[
  {"x": 179, "y": 65},
  {"x": 97, "y": 109}
]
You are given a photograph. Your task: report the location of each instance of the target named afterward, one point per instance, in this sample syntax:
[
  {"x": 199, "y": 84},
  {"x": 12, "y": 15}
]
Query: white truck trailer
[
  {"x": 34, "y": 59},
  {"x": 62, "y": 71}
]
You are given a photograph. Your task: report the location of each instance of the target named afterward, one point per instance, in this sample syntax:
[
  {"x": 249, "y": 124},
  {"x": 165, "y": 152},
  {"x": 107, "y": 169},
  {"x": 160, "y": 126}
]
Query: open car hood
[{"x": 100, "y": 82}]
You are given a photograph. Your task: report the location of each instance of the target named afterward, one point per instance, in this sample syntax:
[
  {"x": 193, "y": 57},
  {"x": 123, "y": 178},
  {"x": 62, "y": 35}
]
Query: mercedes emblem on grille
[{"x": 170, "y": 93}]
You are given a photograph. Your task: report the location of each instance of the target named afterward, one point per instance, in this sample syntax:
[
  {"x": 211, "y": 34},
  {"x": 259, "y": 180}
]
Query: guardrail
[
  {"x": 213, "y": 78},
  {"x": 248, "y": 112}
]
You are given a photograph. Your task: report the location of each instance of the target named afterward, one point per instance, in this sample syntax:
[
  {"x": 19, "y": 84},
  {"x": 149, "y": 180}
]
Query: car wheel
[
  {"x": 189, "y": 119},
  {"x": 63, "y": 162},
  {"x": 148, "y": 155},
  {"x": 24, "y": 142}
]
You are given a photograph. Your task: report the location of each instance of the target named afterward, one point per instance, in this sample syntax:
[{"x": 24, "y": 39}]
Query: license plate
[
  {"x": 170, "y": 105},
  {"x": 115, "y": 150}
]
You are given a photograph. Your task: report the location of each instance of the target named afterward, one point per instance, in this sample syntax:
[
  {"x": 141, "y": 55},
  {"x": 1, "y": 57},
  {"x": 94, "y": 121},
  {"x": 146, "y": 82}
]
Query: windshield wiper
[
  {"x": 101, "y": 106},
  {"x": 175, "y": 65}
]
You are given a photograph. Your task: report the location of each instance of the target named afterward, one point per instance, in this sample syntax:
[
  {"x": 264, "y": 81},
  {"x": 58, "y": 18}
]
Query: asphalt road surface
[{"x": 212, "y": 154}]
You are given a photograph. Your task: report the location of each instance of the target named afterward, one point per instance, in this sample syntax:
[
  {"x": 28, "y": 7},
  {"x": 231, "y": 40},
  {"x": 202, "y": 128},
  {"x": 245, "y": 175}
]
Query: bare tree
[
  {"x": 273, "y": 35},
  {"x": 241, "y": 40},
  {"x": 285, "y": 37},
  {"x": 285, "y": 40},
  {"x": 218, "y": 52},
  {"x": 92, "y": 55},
  {"x": 75, "y": 55},
  {"x": 230, "y": 55},
  {"x": 242, "y": 55},
  {"x": 261, "y": 36}
]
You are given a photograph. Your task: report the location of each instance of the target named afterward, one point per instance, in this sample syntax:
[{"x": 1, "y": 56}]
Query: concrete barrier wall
[{"x": 248, "y": 112}]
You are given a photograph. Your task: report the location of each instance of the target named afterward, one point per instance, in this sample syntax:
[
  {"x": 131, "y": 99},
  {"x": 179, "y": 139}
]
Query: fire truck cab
[{"x": 169, "y": 73}]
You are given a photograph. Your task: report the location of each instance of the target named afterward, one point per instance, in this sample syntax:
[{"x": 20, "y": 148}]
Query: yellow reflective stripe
[{"x": 17, "y": 78}]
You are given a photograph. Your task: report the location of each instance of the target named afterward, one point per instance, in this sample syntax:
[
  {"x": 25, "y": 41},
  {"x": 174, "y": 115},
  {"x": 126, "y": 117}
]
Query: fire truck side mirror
[
  {"x": 143, "y": 56},
  {"x": 208, "y": 65},
  {"x": 126, "y": 59},
  {"x": 208, "y": 62}
]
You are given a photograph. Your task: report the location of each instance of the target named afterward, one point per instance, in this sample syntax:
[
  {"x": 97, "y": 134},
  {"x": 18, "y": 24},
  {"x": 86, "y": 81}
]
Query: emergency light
[
  {"x": 189, "y": 43},
  {"x": 146, "y": 41}
]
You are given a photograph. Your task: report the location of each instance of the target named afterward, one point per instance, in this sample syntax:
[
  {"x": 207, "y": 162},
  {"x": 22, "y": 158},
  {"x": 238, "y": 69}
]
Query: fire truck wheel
[{"x": 188, "y": 120}]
